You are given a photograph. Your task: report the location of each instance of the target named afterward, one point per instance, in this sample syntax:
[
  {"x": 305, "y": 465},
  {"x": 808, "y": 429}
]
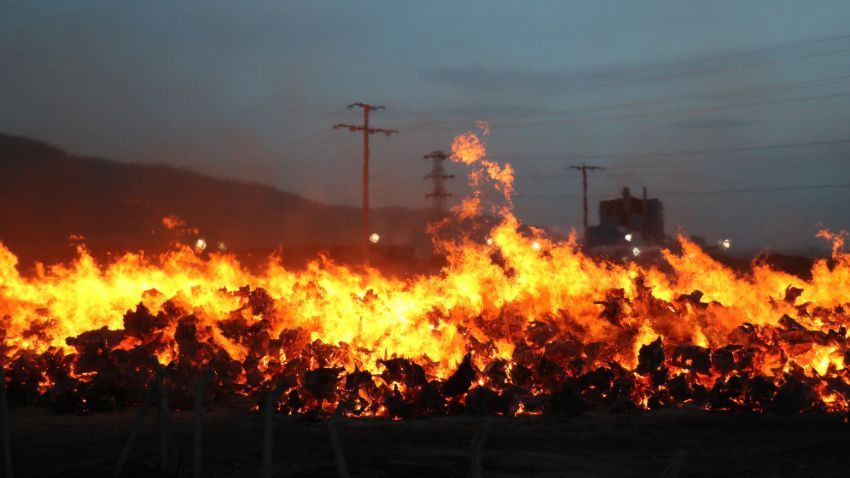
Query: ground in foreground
[{"x": 700, "y": 443}]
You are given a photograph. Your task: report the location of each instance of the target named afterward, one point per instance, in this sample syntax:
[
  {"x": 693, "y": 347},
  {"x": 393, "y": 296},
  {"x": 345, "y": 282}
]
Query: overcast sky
[{"x": 715, "y": 106}]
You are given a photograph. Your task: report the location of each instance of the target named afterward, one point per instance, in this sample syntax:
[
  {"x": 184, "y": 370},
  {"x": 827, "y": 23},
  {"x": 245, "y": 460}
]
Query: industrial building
[{"x": 628, "y": 219}]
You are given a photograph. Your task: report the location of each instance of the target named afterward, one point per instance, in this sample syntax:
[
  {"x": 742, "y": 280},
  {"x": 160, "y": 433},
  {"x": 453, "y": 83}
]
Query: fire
[
  {"x": 468, "y": 208},
  {"x": 177, "y": 225},
  {"x": 837, "y": 240},
  {"x": 470, "y": 150},
  {"x": 517, "y": 324}
]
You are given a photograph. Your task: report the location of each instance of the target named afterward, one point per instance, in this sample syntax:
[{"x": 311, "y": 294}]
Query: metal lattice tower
[{"x": 438, "y": 179}]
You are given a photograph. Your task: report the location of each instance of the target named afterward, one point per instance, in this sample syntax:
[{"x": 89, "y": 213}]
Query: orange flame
[
  {"x": 516, "y": 300},
  {"x": 470, "y": 150}
]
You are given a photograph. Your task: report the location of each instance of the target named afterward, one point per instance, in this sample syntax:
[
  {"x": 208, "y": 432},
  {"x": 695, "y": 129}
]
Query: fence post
[
  {"x": 476, "y": 457},
  {"x": 4, "y": 417},
  {"x": 140, "y": 418},
  {"x": 336, "y": 444},
  {"x": 268, "y": 430},
  {"x": 162, "y": 415},
  {"x": 197, "y": 442},
  {"x": 677, "y": 464}
]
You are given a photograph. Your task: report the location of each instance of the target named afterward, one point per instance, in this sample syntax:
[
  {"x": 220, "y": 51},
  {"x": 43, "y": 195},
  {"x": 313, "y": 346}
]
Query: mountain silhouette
[{"x": 49, "y": 197}]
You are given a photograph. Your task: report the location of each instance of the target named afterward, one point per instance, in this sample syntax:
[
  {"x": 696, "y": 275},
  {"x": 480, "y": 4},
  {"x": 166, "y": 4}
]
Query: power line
[
  {"x": 696, "y": 193},
  {"x": 653, "y": 67},
  {"x": 696, "y": 168},
  {"x": 756, "y": 190},
  {"x": 655, "y": 102},
  {"x": 672, "y": 112},
  {"x": 299, "y": 142},
  {"x": 685, "y": 152},
  {"x": 709, "y": 96},
  {"x": 700, "y": 73},
  {"x": 443, "y": 126},
  {"x": 748, "y": 168}
]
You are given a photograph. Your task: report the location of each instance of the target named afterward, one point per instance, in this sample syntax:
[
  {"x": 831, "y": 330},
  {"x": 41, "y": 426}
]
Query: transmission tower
[
  {"x": 367, "y": 131},
  {"x": 438, "y": 178}
]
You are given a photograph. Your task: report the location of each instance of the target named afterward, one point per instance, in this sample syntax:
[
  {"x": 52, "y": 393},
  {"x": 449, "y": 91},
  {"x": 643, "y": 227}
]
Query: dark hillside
[{"x": 47, "y": 195}]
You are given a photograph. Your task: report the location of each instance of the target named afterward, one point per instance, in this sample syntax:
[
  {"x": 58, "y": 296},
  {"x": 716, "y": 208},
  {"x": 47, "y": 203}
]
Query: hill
[{"x": 48, "y": 195}]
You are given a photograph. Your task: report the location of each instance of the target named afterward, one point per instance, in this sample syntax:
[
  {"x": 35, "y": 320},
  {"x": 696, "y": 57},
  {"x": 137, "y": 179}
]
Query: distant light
[
  {"x": 635, "y": 251},
  {"x": 221, "y": 246},
  {"x": 535, "y": 245},
  {"x": 489, "y": 241},
  {"x": 200, "y": 244},
  {"x": 726, "y": 243},
  {"x": 374, "y": 238},
  {"x": 628, "y": 237}
]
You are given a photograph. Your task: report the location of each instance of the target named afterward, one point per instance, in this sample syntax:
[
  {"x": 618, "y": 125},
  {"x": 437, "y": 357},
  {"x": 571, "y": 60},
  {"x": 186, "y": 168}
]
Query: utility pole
[
  {"x": 367, "y": 108},
  {"x": 438, "y": 178},
  {"x": 584, "y": 169}
]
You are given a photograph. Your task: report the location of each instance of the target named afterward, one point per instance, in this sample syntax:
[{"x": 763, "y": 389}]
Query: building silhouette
[{"x": 628, "y": 219}]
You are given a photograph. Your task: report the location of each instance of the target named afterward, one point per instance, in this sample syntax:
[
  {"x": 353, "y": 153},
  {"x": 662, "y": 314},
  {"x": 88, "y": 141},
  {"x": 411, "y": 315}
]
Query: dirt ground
[{"x": 639, "y": 444}]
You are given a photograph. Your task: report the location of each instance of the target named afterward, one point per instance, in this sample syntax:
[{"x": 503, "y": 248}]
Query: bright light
[
  {"x": 628, "y": 237},
  {"x": 200, "y": 244},
  {"x": 726, "y": 243},
  {"x": 489, "y": 241},
  {"x": 535, "y": 245},
  {"x": 374, "y": 238},
  {"x": 635, "y": 251}
]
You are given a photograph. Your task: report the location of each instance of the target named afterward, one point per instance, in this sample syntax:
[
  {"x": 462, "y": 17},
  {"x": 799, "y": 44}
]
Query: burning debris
[{"x": 519, "y": 325}]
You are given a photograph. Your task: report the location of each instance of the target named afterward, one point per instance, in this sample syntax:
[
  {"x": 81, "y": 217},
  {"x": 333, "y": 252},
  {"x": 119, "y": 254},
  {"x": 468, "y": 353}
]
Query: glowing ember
[
  {"x": 502, "y": 327},
  {"x": 374, "y": 238}
]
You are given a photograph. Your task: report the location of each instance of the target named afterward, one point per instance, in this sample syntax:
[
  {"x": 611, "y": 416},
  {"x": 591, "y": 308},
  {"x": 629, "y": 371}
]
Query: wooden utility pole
[
  {"x": 367, "y": 108},
  {"x": 438, "y": 178},
  {"x": 584, "y": 169}
]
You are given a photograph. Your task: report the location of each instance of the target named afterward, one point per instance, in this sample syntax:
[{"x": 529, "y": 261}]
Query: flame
[
  {"x": 521, "y": 315},
  {"x": 468, "y": 149},
  {"x": 837, "y": 240},
  {"x": 177, "y": 225}
]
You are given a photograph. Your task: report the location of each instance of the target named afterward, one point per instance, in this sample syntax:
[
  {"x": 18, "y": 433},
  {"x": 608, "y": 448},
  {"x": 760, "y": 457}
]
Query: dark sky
[{"x": 718, "y": 107}]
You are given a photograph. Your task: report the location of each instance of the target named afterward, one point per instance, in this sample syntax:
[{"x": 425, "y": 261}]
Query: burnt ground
[{"x": 592, "y": 445}]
